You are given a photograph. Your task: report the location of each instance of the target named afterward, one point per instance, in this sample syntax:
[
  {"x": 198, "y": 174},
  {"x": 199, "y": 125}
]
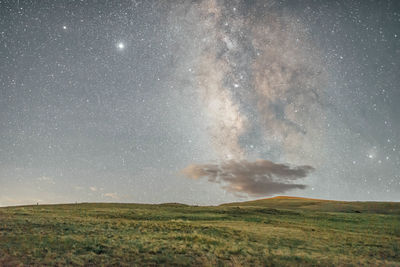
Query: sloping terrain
[
  {"x": 279, "y": 232},
  {"x": 298, "y": 203}
]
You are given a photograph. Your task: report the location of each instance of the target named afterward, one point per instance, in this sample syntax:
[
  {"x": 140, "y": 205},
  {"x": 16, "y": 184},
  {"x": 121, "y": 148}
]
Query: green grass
[{"x": 271, "y": 232}]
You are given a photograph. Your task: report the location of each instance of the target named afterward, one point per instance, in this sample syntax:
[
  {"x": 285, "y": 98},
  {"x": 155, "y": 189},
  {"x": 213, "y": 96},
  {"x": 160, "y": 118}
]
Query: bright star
[
  {"x": 372, "y": 153},
  {"x": 121, "y": 46}
]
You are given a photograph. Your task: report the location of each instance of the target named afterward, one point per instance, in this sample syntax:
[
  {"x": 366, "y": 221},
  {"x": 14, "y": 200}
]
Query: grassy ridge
[
  {"x": 283, "y": 232},
  {"x": 323, "y": 205}
]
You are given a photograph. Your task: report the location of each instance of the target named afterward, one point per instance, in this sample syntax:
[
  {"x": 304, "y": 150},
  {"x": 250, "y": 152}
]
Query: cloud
[
  {"x": 259, "y": 77},
  {"x": 46, "y": 179},
  {"x": 258, "y": 178},
  {"x": 93, "y": 188},
  {"x": 111, "y": 195}
]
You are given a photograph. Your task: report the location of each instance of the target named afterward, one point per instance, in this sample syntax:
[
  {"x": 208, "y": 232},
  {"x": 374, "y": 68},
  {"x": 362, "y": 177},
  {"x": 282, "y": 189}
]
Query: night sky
[{"x": 198, "y": 102}]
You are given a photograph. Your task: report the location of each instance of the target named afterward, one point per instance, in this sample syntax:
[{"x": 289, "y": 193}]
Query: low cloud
[
  {"x": 111, "y": 195},
  {"x": 46, "y": 179},
  {"x": 258, "y": 178},
  {"x": 93, "y": 188}
]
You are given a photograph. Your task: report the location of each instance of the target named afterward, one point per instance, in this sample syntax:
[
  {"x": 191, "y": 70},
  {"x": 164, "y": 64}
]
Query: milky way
[
  {"x": 252, "y": 75},
  {"x": 126, "y": 100}
]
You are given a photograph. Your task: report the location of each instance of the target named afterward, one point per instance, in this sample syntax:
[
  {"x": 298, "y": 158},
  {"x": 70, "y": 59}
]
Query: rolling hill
[
  {"x": 281, "y": 231},
  {"x": 322, "y": 205}
]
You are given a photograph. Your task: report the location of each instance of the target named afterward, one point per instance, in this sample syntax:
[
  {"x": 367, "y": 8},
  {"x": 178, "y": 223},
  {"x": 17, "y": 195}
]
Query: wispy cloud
[
  {"x": 93, "y": 188},
  {"x": 112, "y": 195},
  {"x": 46, "y": 179}
]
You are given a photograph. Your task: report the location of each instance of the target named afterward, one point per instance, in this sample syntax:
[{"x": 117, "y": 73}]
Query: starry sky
[{"x": 198, "y": 102}]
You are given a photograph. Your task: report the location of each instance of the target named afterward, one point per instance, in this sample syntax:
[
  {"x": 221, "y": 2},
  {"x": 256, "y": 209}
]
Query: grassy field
[{"x": 278, "y": 231}]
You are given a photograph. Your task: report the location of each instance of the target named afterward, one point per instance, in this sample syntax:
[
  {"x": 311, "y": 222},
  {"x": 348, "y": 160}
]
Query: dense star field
[
  {"x": 198, "y": 102},
  {"x": 194, "y": 104}
]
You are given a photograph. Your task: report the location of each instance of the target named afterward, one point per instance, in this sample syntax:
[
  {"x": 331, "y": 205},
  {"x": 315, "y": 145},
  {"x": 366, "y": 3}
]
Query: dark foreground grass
[{"x": 288, "y": 232}]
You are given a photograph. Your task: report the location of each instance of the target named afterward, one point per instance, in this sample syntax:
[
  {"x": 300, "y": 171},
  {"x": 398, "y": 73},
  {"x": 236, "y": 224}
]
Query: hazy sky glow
[{"x": 199, "y": 102}]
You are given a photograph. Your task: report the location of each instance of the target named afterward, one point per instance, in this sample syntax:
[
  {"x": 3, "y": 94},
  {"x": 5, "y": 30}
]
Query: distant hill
[
  {"x": 299, "y": 203},
  {"x": 280, "y": 231}
]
